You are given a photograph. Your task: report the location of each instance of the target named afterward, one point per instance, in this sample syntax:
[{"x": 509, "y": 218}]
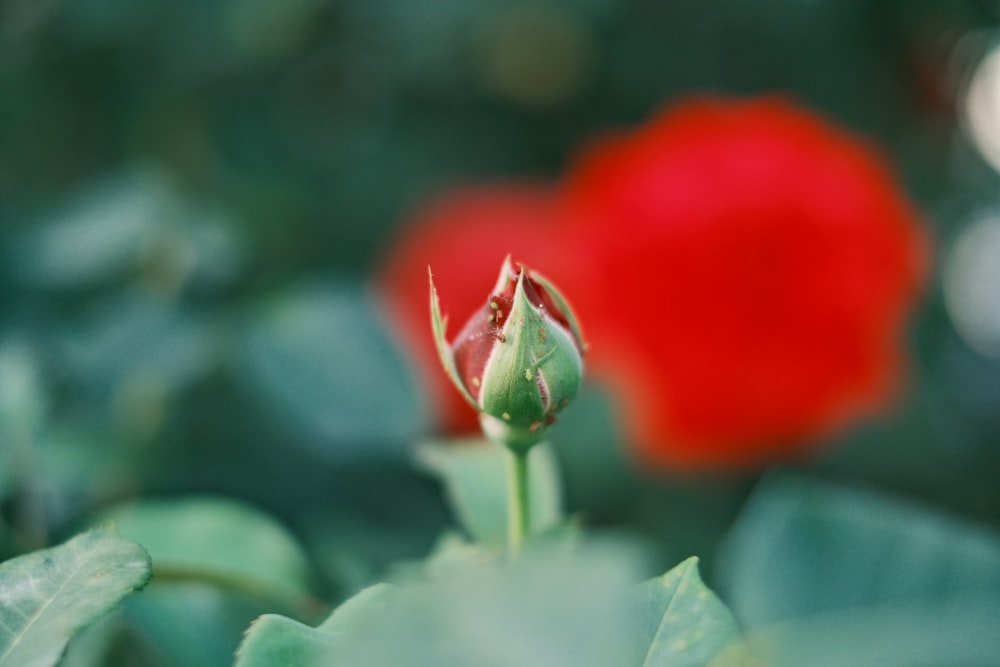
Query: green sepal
[
  {"x": 561, "y": 304},
  {"x": 439, "y": 324}
]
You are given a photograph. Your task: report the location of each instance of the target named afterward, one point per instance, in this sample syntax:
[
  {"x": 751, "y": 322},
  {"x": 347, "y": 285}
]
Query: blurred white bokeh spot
[
  {"x": 972, "y": 285},
  {"x": 982, "y": 107}
]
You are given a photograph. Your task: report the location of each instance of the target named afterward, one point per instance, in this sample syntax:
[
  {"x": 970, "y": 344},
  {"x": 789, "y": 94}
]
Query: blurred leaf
[
  {"x": 677, "y": 621},
  {"x": 352, "y": 551},
  {"x": 552, "y": 607},
  {"x": 321, "y": 360},
  {"x": 891, "y": 636},
  {"x": 23, "y": 407},
  {"x": 362, "y": 609},
  {"x": 475, "y": 476},
  {"x": 803, "y": 547},
  {"x": 76, "y": 466},
  {"x": 595, "y": 464},
  {"x": 215, "y": 252},
  {"x": 92, "y": 645},
  {"x": 276, "y": 641},
  {"x": 453, "y": 551},
  {"x": 138, "y": 339},
  {"x": 261, "y": 28},
  {"x": 885, "y": 576},
  {"x": 218, "y": 564},
  {"x": 95, "y": 234},
  {"x": 220, "y": 541},
  {"x": 133, "y": 219},
  {"x": 189, "y": 624},
  {"x": 48, "y": 595}
]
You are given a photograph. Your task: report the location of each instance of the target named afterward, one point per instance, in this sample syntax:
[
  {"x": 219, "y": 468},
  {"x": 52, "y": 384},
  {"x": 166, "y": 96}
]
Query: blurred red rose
[
  {"x": 464, "y": 237},
  {"x": 742, "y": 270},
  {"x": 753, "y": 271}
]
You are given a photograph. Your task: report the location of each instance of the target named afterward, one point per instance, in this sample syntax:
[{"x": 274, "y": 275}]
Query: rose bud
[{"x": 518, "y": 361}]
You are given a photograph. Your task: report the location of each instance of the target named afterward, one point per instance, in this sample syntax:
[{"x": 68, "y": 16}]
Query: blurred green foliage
[
  {"x": 831, "y": 576},
  {"x": 194, "y": 198}
]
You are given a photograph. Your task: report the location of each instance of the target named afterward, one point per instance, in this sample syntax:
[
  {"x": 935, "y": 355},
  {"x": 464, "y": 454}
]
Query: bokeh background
[{"x": 195, "y": 200}]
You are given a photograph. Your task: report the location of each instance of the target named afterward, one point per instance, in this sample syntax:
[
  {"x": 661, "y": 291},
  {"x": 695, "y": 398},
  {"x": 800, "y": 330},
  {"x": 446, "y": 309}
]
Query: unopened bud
[{"x": 519, "y": 359}]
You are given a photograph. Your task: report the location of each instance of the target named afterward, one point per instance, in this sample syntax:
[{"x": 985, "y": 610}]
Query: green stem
[
  {"x": 518, "y": 502},
  {"x": 301, "y": 603}
]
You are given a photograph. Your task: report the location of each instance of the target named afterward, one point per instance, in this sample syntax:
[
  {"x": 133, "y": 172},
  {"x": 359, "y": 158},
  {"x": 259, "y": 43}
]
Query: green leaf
[
  {"x": 48, "y": 595},
  {"x": 23, "y": 408},
  {"x": 137, "y": 343},
  {"x": 359, "y": 611},
  {"x": 802, "y": 547},
  {"x": 475, "y": 476},
  {"x": 895, "y": 635},
  {"x": 217, "y": 541},
  {"x": 276, "y": 641},
  {"x": 129, "y": 219},
  {"x": 321, "y": 360},
  {"x": 23, "y": 404},
  {"x": 552, "y": 607},
  {"x": 822, "y": 575},
  {"x": 96, "y": 234},
  {"x": 676, "y": 620},
  {"x": 93, "y": 645},
  {"x": 192, "y": 624},
  {"x": 218, "y": 564}
]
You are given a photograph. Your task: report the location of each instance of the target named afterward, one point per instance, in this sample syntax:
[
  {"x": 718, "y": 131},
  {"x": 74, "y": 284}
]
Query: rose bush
[{"x": 744, "y": 269}]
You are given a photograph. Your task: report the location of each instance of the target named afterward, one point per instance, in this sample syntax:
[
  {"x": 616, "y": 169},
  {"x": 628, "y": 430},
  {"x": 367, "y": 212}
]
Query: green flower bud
[{"x": 519, "y": 360}]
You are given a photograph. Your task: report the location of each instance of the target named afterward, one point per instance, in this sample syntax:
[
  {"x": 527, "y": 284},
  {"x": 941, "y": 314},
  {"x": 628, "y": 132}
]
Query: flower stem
[
  {"x": 518, "y": 501},
  {"x": 309, "y": 607}
]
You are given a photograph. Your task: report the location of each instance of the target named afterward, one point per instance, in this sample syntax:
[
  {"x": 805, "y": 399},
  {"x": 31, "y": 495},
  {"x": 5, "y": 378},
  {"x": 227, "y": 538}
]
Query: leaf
[
  {"x": 676, "y": 620},
  {"x": 273, "y": 641},
  {"x": 475, "y": 476},
  {"x": 192, "y": 624},
  {"x": 276, "y": 641},
  {"x": 822, "y": 575},
  {"x": 23, "y": 407},
  {"x": 217, "y": 540},
  {"x": 137, "y": 340},
  {"x": 359, "y": 611},
  {"x": 97, "y": 233},
  {"x": 23, "y": 404},
  {"x": 803, "y": 547},
  {"x": 550, "y": 607},
  {"x": 48, "y": 595},
  {"x": 320, "y": 359},
  {"x": 133, "y": 218},
  {"x": 93, "y": 645},
  {"x": 218, "y": 564},
  {"x": 895, "y": 635}
]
